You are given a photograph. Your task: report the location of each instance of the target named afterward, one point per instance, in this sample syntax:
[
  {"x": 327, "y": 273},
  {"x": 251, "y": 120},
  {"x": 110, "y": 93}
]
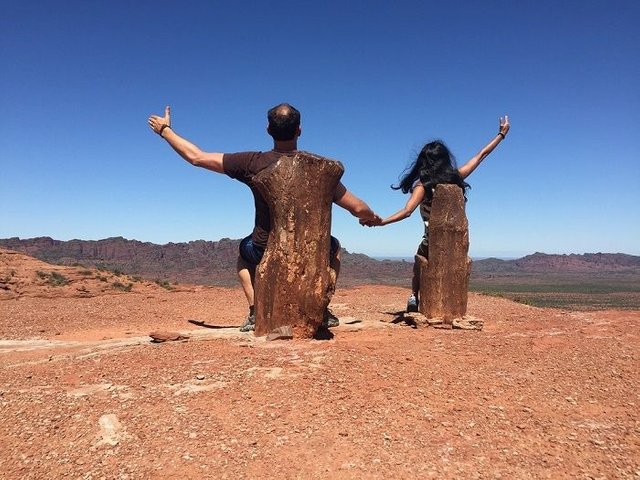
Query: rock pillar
[
  {"x": 444, "y": 276},
  {"x": 294, "y": 283}
]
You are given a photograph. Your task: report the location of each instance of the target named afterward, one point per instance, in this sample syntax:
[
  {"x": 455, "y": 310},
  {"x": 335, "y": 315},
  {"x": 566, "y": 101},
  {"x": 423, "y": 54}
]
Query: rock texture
[
  {"x": 24, "y": 276},
  {"x": 294, "y": 283},
  {"x": 444, "y": 277},
  {"x": 539, "y": 393}
]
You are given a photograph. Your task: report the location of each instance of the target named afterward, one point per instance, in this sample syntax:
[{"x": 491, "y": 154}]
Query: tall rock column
[
  {"x": 294, "y": 283},
  {"x": 444, "y": 277}
]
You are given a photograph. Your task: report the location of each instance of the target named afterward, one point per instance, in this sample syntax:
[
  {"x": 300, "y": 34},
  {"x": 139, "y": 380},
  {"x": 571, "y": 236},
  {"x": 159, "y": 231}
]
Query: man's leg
[
  {"x": 249, "y": 257},
  {"x": 246, "y": 275}
]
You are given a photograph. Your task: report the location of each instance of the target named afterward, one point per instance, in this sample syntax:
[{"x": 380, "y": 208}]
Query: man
[{"x": 284, "y": 129}]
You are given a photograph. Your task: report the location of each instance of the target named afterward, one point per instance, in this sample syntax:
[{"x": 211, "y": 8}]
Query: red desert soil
[{"x": 538, "y": 393}]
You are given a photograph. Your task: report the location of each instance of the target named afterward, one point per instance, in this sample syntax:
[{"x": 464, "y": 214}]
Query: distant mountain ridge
[
  {"x": 214, "y": 262},
  {"x": 565, "y": 263},
  {"x": 199, "y": 262}
]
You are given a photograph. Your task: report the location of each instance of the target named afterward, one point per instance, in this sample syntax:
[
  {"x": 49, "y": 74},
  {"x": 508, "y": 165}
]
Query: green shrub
[
  {"x": 164, "y": 284},
  {"x": 57, "y": 279},
  {"x": 54, "y": 279},
  {"x": 122, "y": 286}
]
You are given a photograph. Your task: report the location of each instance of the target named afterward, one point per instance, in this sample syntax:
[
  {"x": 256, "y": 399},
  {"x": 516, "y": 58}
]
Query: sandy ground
[{"x": 538, "y": 393}]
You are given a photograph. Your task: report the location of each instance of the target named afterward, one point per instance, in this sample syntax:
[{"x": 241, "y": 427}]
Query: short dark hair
[{"x": 284, "y": 121}]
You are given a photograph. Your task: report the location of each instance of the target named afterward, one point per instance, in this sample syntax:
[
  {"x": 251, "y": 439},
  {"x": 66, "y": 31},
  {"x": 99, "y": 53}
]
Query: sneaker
[
  {"x": 330, "y": 320},
  {"x": 412, "y": 304},
  {"x": 249, "y": 324}
]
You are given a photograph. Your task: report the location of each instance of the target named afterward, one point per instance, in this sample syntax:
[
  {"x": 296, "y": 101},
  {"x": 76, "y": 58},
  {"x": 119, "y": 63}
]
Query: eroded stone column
[
  {"x": 444, "y": 277},
  {"x": 294, "y": 283}
]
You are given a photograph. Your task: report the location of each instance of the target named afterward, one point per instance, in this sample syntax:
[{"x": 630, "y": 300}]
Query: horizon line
[{"x": 502, "y": 256}]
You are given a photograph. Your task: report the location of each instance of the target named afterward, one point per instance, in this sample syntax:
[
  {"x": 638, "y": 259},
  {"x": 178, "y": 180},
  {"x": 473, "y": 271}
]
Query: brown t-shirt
[{"x": 243, "y": 166}]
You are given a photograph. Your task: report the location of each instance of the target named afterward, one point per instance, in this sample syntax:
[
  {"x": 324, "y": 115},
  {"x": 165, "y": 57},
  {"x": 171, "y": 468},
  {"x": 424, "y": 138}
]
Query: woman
[{"x": 435, "y": 164}]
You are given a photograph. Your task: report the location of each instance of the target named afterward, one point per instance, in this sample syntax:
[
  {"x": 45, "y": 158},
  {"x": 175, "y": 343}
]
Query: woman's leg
[{"x": 415, "y": 280}]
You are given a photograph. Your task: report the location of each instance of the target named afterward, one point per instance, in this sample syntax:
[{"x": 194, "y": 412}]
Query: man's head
[{"x": 284, "y": 122}]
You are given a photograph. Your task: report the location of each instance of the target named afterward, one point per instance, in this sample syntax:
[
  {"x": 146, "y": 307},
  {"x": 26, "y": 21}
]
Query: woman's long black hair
[{"x": 435, "y": 164}]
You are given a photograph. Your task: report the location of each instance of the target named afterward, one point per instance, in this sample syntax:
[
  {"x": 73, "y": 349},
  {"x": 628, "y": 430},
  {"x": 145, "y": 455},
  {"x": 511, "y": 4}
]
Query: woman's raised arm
[{"x": 473, "y": 163}]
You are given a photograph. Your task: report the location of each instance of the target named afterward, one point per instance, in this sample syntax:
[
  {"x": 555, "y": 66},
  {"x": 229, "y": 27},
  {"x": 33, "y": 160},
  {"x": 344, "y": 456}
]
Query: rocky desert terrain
[{"x": 84, "y": 393}]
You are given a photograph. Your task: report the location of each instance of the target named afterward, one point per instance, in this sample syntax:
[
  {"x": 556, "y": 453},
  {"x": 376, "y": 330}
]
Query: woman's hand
[
  {"x": 158, "y": 124},
  {"x": 504, "y": 125},
  {"x": 376, "y": 221}
]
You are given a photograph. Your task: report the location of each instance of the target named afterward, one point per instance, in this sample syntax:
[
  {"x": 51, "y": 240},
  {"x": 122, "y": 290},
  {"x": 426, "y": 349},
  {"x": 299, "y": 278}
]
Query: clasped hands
[{"x": 374, "y": 221}]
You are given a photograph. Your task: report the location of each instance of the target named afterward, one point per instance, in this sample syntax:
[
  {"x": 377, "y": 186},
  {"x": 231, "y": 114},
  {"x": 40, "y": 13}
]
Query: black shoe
[
  {"x": 249, "y": 324},
  {"x": 330, "y": 320}
]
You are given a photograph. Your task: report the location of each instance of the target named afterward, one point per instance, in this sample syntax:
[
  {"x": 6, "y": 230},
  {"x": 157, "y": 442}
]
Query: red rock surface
[{"x": 538, "y": 393}]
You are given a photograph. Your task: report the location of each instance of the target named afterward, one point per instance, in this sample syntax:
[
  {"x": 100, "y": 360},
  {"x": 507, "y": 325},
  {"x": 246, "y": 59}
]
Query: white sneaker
[{"x": 412, "y": 304}]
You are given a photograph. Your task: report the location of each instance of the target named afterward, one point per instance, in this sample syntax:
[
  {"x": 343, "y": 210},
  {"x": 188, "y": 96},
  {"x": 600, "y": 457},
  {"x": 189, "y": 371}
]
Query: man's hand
[
  {"x": 158, "y": 124},
  {"x": 504, "y": 125},
  {"x": 374, "y": 221}
]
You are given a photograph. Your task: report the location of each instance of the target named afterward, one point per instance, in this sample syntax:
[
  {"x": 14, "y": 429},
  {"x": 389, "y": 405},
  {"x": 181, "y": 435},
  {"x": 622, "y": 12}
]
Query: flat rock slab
[
  {"x": 162, "y": 336},
  {"x": 468, "y": 323},
  {"x": 465, "y": 323},
  {"x": 284, "y": 332}
]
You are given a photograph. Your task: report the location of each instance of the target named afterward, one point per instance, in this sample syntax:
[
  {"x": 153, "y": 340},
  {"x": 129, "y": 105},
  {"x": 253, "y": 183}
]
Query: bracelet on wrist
[
  {"x": 502, "y": 135},
  {"x": 162, "y": 128}
]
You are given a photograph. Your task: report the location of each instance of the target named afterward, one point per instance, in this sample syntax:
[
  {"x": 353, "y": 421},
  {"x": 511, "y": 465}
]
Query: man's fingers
[{"x": 167, "y": 111}]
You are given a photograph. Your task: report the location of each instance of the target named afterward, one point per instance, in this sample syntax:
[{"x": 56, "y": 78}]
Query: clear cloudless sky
[{"x": 374, "y": 81}]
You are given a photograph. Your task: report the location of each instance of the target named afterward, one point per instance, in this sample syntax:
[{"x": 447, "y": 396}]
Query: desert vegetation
[
  {"x": 575, "y": 292},
  {"x": 54, "y": 279}
]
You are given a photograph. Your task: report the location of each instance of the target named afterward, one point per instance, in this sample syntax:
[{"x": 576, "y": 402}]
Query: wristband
[
  {"x": 162, "y": 128},
  {"x": 499, "y": 133}
]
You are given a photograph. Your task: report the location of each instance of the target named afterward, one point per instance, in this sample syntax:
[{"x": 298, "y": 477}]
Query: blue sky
[{"x": 374, "y": 81}]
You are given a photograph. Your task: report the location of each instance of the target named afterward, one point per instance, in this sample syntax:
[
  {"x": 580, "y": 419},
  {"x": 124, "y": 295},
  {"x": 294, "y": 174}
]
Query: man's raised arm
[{"x": 187, "y": 150}]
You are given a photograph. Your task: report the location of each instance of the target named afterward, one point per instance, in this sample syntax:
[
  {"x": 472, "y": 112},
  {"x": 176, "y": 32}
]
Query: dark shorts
[{"x": 253, "y": 253}]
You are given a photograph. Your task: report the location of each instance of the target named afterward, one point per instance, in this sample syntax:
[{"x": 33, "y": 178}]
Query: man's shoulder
[
  {"x": 244, "y": 165},
  {"x": 238, "y": 155}
]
